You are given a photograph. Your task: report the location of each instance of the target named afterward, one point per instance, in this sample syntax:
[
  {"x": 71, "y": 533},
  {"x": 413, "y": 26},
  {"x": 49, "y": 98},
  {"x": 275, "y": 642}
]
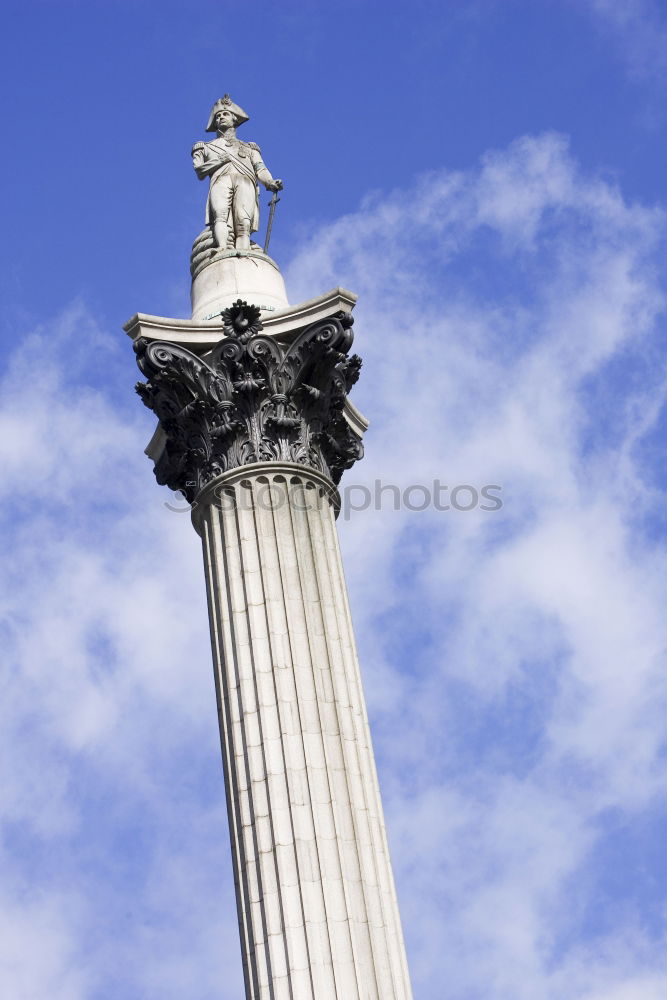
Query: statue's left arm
[{"x": 262, "y": 172}]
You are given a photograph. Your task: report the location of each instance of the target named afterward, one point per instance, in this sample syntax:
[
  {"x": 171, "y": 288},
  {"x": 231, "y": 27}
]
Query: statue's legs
[
  {"x": 232, "y": 202},
  {"x": 243, "y": 210},
  {"x": 221, "y": 198}
]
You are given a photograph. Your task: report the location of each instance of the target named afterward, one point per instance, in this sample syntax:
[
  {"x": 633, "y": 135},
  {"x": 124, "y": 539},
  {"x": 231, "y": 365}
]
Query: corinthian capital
[{"x": 252, "y": 399}]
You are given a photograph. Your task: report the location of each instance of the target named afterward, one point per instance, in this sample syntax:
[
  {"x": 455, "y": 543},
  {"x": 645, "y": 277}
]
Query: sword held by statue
[{"x": 272, "y": 211}]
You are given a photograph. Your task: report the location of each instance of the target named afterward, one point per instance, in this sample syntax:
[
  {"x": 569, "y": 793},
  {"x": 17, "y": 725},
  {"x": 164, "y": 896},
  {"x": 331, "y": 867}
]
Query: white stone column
[
  {"x": 317, "y": 907},
  {"x": 254, "y": 429}
]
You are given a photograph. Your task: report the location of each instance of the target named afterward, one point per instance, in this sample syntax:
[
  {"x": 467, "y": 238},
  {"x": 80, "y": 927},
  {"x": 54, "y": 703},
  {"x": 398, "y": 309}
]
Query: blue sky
[{"x": 490, "y": 177}]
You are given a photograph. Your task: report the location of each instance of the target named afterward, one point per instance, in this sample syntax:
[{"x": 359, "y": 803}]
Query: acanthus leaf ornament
[{"x": 253, "y": 399}]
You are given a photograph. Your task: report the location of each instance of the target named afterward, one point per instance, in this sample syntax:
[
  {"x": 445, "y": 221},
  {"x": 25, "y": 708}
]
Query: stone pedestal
[
  {"x": 256, "y": 429},
  {"x": 227, "y": 276},
  {"x": 220, "y": 277}
]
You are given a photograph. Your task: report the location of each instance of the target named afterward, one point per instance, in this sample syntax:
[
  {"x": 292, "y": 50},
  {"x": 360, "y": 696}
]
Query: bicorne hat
[{"x": 226, "y": 104}]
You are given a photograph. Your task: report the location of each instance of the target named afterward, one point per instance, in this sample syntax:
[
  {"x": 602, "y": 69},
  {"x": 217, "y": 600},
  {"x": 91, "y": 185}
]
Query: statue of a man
[{"x": 234, "y": 168}]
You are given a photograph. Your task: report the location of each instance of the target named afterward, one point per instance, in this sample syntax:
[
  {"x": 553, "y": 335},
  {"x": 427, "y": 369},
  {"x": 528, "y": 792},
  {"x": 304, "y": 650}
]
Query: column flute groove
[
  {"x": 262, "y": 823},
  {"x": 306, "y": 708},
  {"x": 238, "y": 742},
  {"x": 379, "y": 856},
  {"x": 351, "y": 752},
  {"x": 386, "y": 880},
  {"x": 349, "y": 967},
  {"x": 278, "y": 775},
  {"x": 283, "y": 663},
  {"x": 211, "y": 540}
]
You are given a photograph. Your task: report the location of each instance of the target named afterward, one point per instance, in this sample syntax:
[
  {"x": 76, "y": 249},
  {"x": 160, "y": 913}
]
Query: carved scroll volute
[{"x": 252, "y": 400}]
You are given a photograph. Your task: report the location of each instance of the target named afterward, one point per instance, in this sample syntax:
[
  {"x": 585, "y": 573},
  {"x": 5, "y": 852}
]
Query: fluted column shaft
[
  {"x": 252, "y": 432},
  {"x": 317, "y": 908}
]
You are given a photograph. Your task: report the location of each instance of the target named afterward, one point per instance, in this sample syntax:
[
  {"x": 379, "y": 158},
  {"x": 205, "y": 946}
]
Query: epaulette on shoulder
[{"x": 253, "y": 145}]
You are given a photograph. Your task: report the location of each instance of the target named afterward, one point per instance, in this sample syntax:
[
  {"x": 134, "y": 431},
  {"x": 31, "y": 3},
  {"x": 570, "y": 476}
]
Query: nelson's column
[{"x": 255, "y": 428}]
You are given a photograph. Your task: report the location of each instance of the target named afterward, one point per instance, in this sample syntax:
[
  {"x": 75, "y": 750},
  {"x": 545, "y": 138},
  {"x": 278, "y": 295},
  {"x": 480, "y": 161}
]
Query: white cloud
[
  {"x": 528, "y": 695},
  {"x": 639, "y": 30},
  {"x": 508, "y": 319},
  {"x": 38, "y": 953},
  {"x": 112, "y": 797}
]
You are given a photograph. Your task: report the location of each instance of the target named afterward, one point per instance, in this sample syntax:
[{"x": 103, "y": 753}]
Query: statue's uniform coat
[{"x": 233, "y": 187}]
